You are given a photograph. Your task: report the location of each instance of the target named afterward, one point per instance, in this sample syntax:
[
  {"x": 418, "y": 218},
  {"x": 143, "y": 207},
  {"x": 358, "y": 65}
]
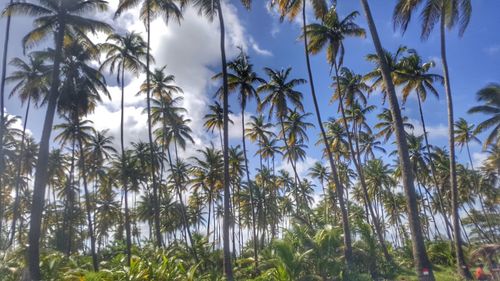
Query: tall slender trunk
[
  {"x": 17, "y": 200},
  {"x": 95, "y": 262},
  {"x": 2, "y": 108},
  {"x": 69, "y": 203},
  {"x": 128, "y": 238},
  {"x": 433, "y": 167},
  {"x": 250, "y": 189},
  {"x": 184, "y": 218},
  {"x": 336, "y": 180},
  {"x": 461, "y": 264},
  {"x": 41, "y": 175},
  {"x": 156, "y": 206},
  {"x": 422, "y": 264},
  {"x": 287, "y": 146},
  {"x": 357, "y": 164},
  {"x": 228, "y": 268},
  {"x": 479, "y": 195}
]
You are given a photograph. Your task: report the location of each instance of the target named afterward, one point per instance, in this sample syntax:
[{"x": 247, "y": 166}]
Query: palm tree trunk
[
  {"x": 433, "y": 168},
  {"x": 228, "y": 268},
  {"x": 69, "y": 203},
  {"x": 250, "y": 189},
  {"x": 338, "y": 185},
  {"x": 2, "y": 106},
  {"x": 41, "y": 175},
  {"x": 15, "y": 208},
  {"x": 156, "y": 206},
  {"x": 357, "y": 163},
  {"x": 422, "y": 264},
  {"x": 124, "y": 164},
  {"x": 88, "y": 208},
  {"x": 184, "y": 217},
  {"x": 461, "y": 264},
  {"x": 287, "y": 146}
]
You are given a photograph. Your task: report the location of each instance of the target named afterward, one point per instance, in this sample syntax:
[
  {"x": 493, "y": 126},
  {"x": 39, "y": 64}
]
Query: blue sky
[{"x": 191, "y": 53}]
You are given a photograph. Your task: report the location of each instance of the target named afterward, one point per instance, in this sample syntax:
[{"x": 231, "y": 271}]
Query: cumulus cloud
[
  {"x": 433, "y": 131},
  {"x": 191, "y": 52}
]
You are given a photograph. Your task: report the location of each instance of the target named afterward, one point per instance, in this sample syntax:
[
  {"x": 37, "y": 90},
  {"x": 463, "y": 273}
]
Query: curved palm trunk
[
  {"x": 336, "y": 180},
  {"x": 461, "y": 264},
  {"x": 228, "y": 268},
  {"x": 95, "y": 262},
  {"x": 41, "y": 175},
  {"x": 250, "y": 189},
  {"x": 422, "y": 264},
  {"x": 156, "y": 206},
  {"x": 124, "y": 181},
  {"x": 2, "y": 107},
  {"x": 15, "y": 208},
  {"x": 433, "y": 168},
  {"x": 357, "y": 163}
]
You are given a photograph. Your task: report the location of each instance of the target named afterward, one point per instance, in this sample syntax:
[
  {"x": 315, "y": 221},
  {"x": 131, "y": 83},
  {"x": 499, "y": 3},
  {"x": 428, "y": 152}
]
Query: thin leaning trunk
[
  {"x": 41, "y": 175},
  {"x": 250, "y": 189},
  {"x": 357, "y": 163},
  {"x": 461, "y": 264},
  {"x": 156, "y": 206},
  {"x": 228, "y": 268},
  {"x": 338, "y": 185},
  {"x": 95, "y": 262},
  {"x": 15, "y": 208},
  {"x": 124, "y": 164},
  {"x": 2, "y": 107},
  {"x": 433, "y": 168},
  {"x": 423, "y": 266}
]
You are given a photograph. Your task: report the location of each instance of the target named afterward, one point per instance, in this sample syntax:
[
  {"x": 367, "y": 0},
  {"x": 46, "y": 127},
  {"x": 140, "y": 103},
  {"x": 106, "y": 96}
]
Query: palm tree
[
  {"x": 210, "y": 9},
  {"x": 214, "y": 119},
  {"x": 31, "y": 85},
  {"x": 54, "y": 18},
  {"x": 158, "y": 85},
  {"x": 281, "y": 92},
  {"x": 490, "y": 97},
  {"x": 291, "y": 9},
  {"x": 81, "y": 90},
  {"x": 465, "y": 134},
  {"x": 241, "y": 79},
  {"x": 349, "y": 86},
  {"x": 386, "y": 124},
  {"x": 124, "y": 53},
  {"x": 422, "y": 262},
  {"x": 150, "y": 10},
  {"x": 449, "y": 14}
]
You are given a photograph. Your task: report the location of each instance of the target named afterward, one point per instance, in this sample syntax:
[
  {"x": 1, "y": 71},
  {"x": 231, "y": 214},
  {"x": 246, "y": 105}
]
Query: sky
[{"x": 191, "y": 52}]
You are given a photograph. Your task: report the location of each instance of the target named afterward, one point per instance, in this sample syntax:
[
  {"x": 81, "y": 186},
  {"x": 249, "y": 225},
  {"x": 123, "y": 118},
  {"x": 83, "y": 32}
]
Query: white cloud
[
  {"x": 492, "y": 50},
  {"x": 192, "y": 54},
  {"x": 478, "y": 158},
  {"x": 433, "y": 131},
  {"x": 302, "y": 166},
  {"x": 258, "y": 49}
]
